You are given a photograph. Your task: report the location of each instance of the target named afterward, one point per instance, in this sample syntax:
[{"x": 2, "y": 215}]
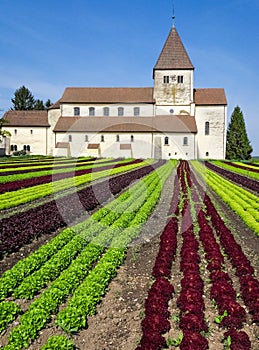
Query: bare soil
[{"x": 117, "y": 323}]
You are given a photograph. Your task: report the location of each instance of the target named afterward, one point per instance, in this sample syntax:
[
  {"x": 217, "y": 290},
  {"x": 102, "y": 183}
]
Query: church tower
[{"x": 173, "y": 75}]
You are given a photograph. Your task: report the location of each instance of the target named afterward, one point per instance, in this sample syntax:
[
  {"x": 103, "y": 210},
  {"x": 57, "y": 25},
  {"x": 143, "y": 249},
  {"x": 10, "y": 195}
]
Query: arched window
[
  {"x": 106, "y": 111},
  {"x": 91, "y": 111},
  {"x": 132, "y": 138},
  {"x": 102, "y": 138},
  {"x": 185, "y": 141},
  {"x": 31, "y": 131},
  {"x": 136, "y": 111},
  {"x": 76, "y": 111},
  {"x": 24, "y": 147},
  {"x": 166, "y": 140},
  {"x": 86, "y": 138},
  {"x": 69, "y": 138},
  {"x": 207, "y": 128},
  {"x": 117, "y": 138},
  {"x": 15, "y": 131},
  {"x": 120, "y": 111},
  {"x": 28, "y": 148}
]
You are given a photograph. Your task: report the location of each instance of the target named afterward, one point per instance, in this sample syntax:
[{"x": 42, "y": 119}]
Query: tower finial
[{"x": 173, "y": 17}]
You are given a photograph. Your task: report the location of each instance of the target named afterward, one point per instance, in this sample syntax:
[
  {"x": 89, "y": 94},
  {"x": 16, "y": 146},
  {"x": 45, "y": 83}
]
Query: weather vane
[{"x": 173, "y": 17}]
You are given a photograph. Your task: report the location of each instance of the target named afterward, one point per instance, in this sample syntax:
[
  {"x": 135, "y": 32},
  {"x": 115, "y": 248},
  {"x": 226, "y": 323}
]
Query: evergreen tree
[
  {"x": 23, "y": 99},
  {"x": 38, "y": 105},
  {"x": 238, "y": 144},
  {"x": 48, "y": 103}
]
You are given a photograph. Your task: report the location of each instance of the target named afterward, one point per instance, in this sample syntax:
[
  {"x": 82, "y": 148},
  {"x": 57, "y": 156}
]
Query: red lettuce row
[
  {"x": 45, "y": 166},
  {"x": 21, "y": 228}
]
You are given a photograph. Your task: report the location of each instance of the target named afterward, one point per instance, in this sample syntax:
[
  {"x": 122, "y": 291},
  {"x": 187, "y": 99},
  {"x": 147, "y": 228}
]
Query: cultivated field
[{"x": 106, "y": 254}]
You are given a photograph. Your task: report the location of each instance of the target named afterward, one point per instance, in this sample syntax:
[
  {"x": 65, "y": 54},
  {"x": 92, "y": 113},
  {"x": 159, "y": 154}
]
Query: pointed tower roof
[{"x": 173, "y": 54}]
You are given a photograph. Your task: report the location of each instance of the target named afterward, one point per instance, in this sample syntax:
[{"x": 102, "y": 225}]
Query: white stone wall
[
  {"x": 142, "y": 145},
  {"x": 53, "y": 115},
  {"x": 212, "y": 145},
  {"x": 35, "y": 137},
  {"x": 173, "y": 93},
  {"x": 146, "y": 109}
]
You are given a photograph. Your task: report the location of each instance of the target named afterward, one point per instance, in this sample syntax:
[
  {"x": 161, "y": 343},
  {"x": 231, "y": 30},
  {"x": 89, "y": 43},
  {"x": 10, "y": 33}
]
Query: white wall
[
  {"x": 35, "y": 137},
  {"x": 146, "y": 109},
  {"x": 215, "y": 142}
]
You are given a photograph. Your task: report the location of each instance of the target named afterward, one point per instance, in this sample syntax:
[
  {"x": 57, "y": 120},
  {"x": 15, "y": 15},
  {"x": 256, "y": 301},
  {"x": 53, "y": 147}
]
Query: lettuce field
[{"x": 106, "y": 254}]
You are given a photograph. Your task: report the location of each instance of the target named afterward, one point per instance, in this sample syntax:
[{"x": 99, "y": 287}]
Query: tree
[
  {"x": 238, "y": 144},
  {"x": 4, "y": 132},
  {"x": 38, "y": 105},
  {"x": 23, "y": 99},
  {"x": 48, "y": 103}
]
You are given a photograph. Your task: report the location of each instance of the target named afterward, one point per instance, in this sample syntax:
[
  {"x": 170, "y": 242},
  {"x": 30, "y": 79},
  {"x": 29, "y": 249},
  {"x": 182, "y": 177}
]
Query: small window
[
  {"x": 91, "y": 111},
  {"x": 132, "y": 138},
  {"x": 136, "y": 111},
  {"x": 106, "y": 111},
  {"x": 69, "y": 138},
  {"x": 166, "y": 140},
  {"x": 31, "y": 131},
  {"x": 86, "y": 138},
  {"x": 120, "y": 111},
  {"x": 207, "y": 154},
  {"x": 180, "y": 79},
  {"x": 13, "y": 148},
  {"x": 24, "y": 147},
  {"x": 117, "y": 138},
  {"x": 28, "y": 148},
  {"x": 15, "y": 131},
  {"x": 102, "y": 138},
  {"x": 185, "y": 141},
  {"x": 166, "y": 79},
  {"x": 76, "y": 111},
  {"x": 207, "y": 128}
]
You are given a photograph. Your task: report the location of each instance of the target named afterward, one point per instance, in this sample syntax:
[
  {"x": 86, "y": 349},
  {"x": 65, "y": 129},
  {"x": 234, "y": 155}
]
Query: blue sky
[{"x": 48, "y": 45}]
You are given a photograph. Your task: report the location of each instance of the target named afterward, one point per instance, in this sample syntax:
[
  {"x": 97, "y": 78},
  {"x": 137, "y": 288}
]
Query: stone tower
[{"x": 173, "y": 74}]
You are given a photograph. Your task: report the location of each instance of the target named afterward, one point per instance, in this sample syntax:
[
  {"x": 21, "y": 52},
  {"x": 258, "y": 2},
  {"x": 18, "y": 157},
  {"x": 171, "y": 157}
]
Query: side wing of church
[{"x": 172, "y": 119}]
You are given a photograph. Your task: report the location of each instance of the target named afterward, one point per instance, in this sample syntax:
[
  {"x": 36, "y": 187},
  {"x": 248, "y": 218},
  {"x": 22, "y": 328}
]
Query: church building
[{"x": 172, "y": 119}]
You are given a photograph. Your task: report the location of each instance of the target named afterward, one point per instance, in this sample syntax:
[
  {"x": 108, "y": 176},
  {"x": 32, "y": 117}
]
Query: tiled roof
[
  {"x": 55, "y": 105},
  {"x": 107, "y": 95},
  {"x": 210, "y": 96},
  {"x": 162, "y": 123},
  {"x": 27, "y": 118},
  {"x": 173, "y": 54}
]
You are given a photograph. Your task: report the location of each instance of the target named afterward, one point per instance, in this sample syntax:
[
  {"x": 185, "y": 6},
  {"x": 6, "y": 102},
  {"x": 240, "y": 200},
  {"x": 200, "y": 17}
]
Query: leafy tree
[
  {"x": 238, "y": 144},
  {"x": 38, "y": 105},
  {"x": 23, "y": 99},
  {"x": 4, "y": 132}
]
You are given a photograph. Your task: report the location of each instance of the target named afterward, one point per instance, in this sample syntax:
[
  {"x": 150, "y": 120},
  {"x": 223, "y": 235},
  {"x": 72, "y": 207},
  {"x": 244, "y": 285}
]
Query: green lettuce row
[
  {"x": 58, "y": 342},
  {"x": 89, "y": 293},
  {"x": 29, "y": 175},
  {"x": 35, "y": 282},
  {"x": 51, "y": 165},
  {"x": 53, "y": 267},
  {"x": 9, "y": 310},
  {"x": 25, "y": 195},
  {"x": 11, "y": 278},
  {"x": 240, "y": 171},
  {"x": 41, "y": 309},
  {"x": 244, "y": 203}
]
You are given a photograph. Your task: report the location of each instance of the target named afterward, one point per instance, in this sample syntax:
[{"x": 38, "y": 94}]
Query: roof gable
[{"x": 173, "y": 54}]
